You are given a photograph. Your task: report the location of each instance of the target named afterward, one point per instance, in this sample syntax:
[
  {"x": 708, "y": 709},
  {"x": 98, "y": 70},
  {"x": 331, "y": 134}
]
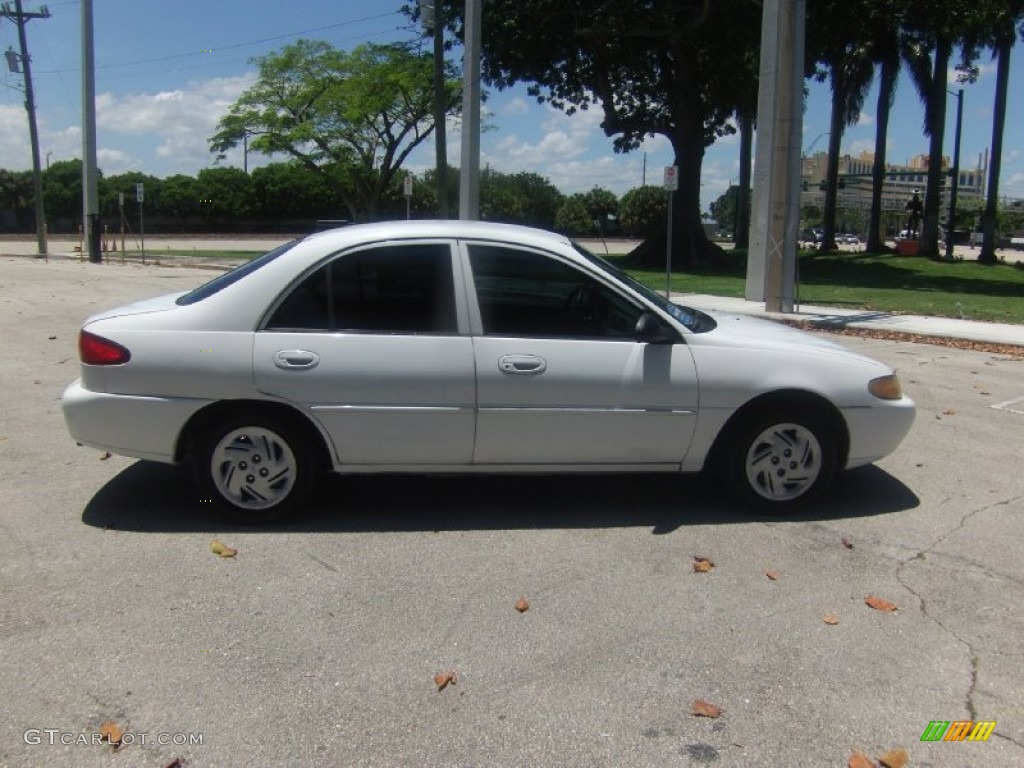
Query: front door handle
[
  {"x": 522, "y": 364},
  {"x": 292, "y": 359}
]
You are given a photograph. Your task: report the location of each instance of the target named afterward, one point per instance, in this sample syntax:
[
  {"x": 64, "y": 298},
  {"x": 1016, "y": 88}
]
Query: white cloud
[
  {"x": 854, "y": 148},
  {"x": 864, "y": 119},
  {"x": 178, "y": 123},
  {"x": 114, "y": 161},
  {"x": 515, "y": 108},
  {"x": 15, "y": 153}
]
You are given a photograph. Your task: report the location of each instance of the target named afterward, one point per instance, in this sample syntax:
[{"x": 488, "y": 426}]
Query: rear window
[{"x": 221, "y": 282}]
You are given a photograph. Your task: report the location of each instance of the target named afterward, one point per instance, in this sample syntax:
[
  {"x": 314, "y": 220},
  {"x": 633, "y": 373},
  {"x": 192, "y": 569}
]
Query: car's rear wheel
[
  {"x": 780, "y": 461},
  {"x": 254, "y": 468}
]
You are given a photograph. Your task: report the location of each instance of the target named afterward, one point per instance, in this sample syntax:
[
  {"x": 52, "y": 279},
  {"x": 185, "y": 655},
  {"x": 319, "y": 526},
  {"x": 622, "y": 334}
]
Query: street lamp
[{"x": 956, "y": 172}]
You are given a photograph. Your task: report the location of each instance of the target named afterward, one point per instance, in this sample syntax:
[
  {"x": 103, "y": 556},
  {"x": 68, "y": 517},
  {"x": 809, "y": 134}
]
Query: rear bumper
[{"x": 128, "y": 425}]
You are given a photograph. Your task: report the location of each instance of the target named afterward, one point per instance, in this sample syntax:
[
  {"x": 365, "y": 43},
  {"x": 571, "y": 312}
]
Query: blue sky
[{"x": 166, "y": 71}]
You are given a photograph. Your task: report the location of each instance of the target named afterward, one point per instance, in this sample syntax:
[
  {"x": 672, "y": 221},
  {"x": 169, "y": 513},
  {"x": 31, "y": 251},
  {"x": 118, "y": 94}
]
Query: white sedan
[{"x": 467, "y": 347}]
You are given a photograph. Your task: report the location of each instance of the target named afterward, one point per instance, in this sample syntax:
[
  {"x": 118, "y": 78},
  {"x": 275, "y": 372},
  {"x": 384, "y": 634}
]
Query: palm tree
[
  {"x": 1005, "y": 35},
  {"x": 840, "y": 31},
  {"x": 887, "y": 49},
  {"x": 938, "y": 26}
]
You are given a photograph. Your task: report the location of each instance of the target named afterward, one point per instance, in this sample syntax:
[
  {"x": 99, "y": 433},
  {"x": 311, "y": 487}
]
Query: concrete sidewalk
[{"x": 837, "y": 317}]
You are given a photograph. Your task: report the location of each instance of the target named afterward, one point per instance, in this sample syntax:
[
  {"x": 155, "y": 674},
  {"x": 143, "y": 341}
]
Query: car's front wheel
[
  {"x": 254, "y": 468},
  {"x": 781, "y": 461}
]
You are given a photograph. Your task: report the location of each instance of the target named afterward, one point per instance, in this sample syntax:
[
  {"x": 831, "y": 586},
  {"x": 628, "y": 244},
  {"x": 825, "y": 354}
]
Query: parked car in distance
[
  {"x": 847, "y": 239},
  {"x": 458, "y": 347}
]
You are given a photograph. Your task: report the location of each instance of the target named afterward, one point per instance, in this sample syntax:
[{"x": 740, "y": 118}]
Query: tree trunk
[
  {"x": 690, "y": 243},
  {"x": 936, "y": 129},
  {"x": 988, "y": 221},
  {"x": 742, "y": 234},
  {"x": 835, "y": 138},
  {"x": 887, "y": 82}
]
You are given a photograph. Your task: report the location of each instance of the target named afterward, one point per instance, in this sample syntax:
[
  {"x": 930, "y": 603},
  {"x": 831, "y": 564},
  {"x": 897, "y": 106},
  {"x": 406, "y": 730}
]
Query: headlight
[{"x": 886, "y": 387}]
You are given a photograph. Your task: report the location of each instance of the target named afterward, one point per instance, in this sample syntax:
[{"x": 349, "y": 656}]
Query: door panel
[
  {"x": 595, "y": 402},
  {"x": 560, "y": 378},
  {"x": 383, "y": 399},
  {"x": 369, "y": 343}
]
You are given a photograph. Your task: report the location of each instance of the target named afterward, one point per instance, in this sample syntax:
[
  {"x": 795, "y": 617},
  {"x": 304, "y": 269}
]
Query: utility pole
[
  {"x": 469, "y": 183},
  {"x": 771, "y": 264},
  {"x": 90, "y": 179},
  {"x": 19, "y": 17}
]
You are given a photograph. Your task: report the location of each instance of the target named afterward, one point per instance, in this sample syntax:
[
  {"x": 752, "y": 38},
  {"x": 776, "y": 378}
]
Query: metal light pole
[{"x": 956, "y": 173}]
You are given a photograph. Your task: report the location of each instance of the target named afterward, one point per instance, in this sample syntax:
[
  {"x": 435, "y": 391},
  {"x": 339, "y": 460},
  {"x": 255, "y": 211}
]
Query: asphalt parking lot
[{"x": 318, "y": 643}]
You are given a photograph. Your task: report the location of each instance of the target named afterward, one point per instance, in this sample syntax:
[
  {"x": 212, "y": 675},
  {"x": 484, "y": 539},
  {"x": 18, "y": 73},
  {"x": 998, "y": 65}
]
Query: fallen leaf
[
  {"x": 949, "y": 412},
  {"x": 522, "y": 605},
  {"x": 880, "y": 604},
  {"x": 773, "y": 575},
  {"x": 51, "y": 338},
  {"x": 831, "y": 619},
  {"x": 703, "y": 708},
  {"x": 111, "y": 733},
  {"x": 847, "y": 543},
  {"x": 860, "y": 760},
  {"x": 702, "y": 564},
  {"x": 443, "y": 679},
  {"x": 985, "y": 393},
  {"x": 175, "y": 763},
  {"x": 894, "y": 758},
  {"x": 219, "y": 548},
  {"x": 106, "y": 455}
]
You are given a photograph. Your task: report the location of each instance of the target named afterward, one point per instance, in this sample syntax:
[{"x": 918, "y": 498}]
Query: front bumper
[{"x": 877, "y": 431}]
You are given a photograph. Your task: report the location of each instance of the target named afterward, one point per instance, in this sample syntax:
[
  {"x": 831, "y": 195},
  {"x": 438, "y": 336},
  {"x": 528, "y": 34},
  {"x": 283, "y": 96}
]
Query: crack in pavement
[{"x": 971, "y": 649}]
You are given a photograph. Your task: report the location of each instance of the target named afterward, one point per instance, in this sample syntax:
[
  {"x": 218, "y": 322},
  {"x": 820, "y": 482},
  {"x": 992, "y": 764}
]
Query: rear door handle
[
  {"x": 292, "y": 359},
  {"x": 530, "y": 364}
]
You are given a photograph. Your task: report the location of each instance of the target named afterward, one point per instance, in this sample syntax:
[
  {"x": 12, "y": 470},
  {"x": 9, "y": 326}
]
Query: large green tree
[
  {"x": 652, "y": 67},
  {"x": 352, "y": 117},
  {"x": 62, "y": 190}
]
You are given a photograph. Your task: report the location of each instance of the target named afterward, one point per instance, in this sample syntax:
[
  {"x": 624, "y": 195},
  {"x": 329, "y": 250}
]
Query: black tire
[
  {"x": 780, "y": 461},
  {"x": 254, "y": 468}
]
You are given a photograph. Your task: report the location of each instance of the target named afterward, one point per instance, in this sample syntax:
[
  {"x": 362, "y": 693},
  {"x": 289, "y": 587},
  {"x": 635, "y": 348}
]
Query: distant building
[{"x": 901, "y": 181}]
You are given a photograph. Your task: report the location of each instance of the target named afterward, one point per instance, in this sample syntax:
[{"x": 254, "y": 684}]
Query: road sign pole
[
  {"x": 668, "y": 252},
  {"x": 140, "y": 197},
  {"x": 671, "y": 181}
]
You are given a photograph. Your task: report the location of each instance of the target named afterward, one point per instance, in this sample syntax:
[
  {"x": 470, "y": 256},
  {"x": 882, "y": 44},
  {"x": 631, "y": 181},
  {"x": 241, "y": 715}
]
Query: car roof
[{"x": 431, "y": 228}]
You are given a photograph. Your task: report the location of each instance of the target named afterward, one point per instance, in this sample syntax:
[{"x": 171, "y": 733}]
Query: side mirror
[{"x": 649, "y": 330}]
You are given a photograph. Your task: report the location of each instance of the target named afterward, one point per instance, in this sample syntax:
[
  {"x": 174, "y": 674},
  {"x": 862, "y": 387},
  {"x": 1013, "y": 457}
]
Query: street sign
[
  {"x": 408, "y": 185},
  {"x": 671, "y": 178},
  {"x": 138, "y": 193}
]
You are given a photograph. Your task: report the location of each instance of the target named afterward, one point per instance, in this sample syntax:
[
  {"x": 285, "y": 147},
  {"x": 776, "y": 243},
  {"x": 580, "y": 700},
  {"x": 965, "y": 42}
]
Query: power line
[{"x": 208, "y": 51}]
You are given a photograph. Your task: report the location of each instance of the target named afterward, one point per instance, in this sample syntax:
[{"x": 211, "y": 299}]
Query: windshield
[
  {"x": 693, "y": 319},
  {"x": 221, "y": 282}
]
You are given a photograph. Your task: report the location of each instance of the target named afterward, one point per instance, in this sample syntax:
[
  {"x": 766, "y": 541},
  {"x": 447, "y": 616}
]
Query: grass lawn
[{"x": 908, "y": 284}]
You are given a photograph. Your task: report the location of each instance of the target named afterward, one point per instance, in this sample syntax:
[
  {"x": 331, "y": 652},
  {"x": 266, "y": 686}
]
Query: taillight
[{"x": 95, "y": 350}]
